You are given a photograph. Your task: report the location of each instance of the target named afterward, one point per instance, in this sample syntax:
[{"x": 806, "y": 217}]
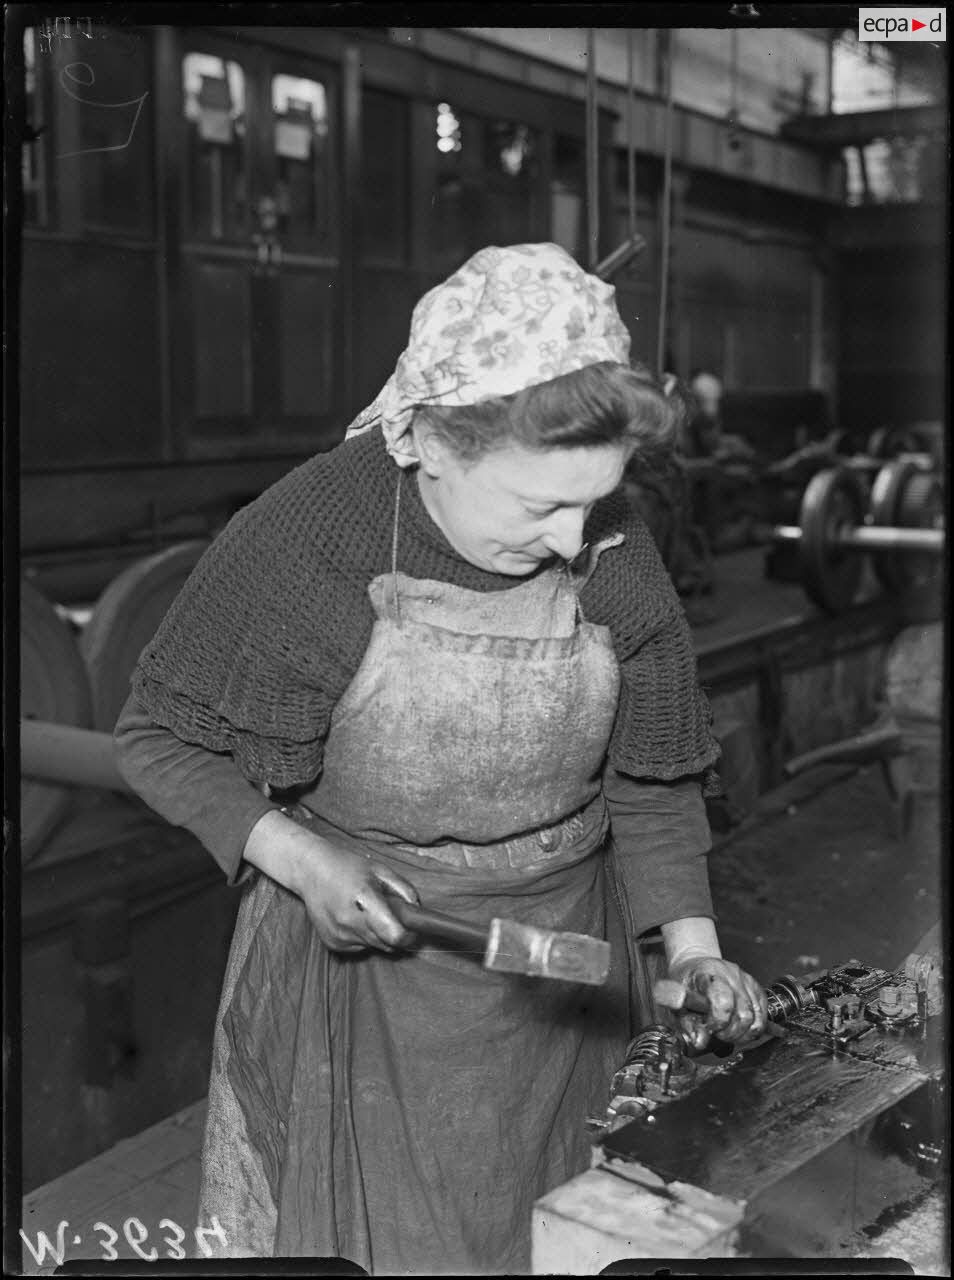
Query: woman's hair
[{"x": 600, "y": 404}]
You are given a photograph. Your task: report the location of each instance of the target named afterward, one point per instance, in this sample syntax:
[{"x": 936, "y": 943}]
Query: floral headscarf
[{"x": 507, "y": 319}]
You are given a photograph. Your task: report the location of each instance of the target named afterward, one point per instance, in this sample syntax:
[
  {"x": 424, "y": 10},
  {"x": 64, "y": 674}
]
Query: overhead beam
[{"x": 855, "y": 128}]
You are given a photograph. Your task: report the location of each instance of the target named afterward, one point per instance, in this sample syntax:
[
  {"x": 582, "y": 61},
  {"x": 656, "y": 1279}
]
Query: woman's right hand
[{"x": 343, "y": 891}]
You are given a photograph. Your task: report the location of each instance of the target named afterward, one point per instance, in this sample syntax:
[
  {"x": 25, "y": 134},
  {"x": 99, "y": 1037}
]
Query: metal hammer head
[{"x": 544, "y": 953}]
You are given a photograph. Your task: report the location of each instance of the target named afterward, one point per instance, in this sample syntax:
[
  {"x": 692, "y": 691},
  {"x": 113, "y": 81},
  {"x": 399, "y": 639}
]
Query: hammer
[{"x": 509, "y": 947}]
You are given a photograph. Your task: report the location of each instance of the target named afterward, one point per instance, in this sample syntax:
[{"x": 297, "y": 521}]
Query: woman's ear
[{"x": 427, "y": 446}]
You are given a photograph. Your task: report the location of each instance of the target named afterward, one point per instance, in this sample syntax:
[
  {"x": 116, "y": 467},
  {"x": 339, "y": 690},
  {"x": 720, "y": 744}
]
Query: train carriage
[{"x": 225, "y": 230}]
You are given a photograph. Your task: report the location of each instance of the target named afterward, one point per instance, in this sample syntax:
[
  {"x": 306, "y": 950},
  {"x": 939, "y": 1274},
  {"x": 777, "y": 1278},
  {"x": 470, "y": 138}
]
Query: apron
[{"x": 405, "y": 1111}]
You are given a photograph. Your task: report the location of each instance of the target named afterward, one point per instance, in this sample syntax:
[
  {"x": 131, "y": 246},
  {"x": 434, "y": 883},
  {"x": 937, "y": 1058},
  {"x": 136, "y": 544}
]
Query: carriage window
[
  {"x": 488, "y": 192},
  {"x": 302, "y": 153},
  {"x": 511, "y": 171},
  {"x": 384, "y": 177},
  {"x": 214, "y": 106},
  {"x": 33, "y": 152},
  {"x": 456, "y": 206},
  {"x": 510, "y": 148}
]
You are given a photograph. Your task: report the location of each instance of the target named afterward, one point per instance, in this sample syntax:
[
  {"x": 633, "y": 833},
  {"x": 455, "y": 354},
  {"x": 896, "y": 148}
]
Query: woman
[{"x": 408, "y": 639}]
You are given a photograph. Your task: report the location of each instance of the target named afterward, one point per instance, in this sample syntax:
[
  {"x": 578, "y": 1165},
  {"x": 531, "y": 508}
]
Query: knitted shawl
[{"x": 273, "y": 622}]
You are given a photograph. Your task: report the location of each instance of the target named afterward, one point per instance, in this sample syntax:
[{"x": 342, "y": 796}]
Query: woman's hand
[
  {"x": 737, "y": 1005},
  {"x": 343, "y": 891}
]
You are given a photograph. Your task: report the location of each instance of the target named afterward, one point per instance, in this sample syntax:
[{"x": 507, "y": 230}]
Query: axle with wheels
[{"x": 903, "y": 529}]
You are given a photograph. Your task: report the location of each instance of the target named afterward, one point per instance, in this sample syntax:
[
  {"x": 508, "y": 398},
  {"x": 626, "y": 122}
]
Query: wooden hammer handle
[
  {"x": 435, "y": 924},
  {"x": 696, "y": 1003}
]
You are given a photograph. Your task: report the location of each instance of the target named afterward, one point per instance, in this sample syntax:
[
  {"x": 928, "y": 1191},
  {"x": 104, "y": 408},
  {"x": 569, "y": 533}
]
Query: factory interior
[{"x": 221, "y": 230}]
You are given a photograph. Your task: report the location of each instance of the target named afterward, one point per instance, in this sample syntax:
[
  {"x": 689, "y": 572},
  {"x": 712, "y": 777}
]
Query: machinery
[
  {"x": 784, "y": 1148},
  {"x": 898, "y": 521}
]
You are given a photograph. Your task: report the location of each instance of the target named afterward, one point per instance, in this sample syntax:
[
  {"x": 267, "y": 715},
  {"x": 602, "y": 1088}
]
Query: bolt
[{"x": 889, "y": 1000}]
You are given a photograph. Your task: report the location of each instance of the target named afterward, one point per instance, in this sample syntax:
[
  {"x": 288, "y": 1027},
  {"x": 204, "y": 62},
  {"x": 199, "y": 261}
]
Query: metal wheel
[
  {"x": 907, "y": 496},
  {"x": 888, "y": 442},
  {"x": 125, "y": 619},
  {"x": 831, "y": 574}
]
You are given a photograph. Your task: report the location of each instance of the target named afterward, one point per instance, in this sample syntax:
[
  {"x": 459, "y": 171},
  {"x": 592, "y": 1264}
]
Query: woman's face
[{"x": 516, "y": 508}]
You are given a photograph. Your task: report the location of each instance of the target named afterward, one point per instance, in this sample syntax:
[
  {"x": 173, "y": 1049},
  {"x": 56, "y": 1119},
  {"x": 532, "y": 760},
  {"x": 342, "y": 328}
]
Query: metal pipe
[
  {"x": 886, "y": 538},
  {"x": 665, "y": 216},
  {"x": 630, "y": 141},
  {"x": 592, "y": 153},
  {"x": 863, "y": 748},
  {"x": 64, "y": 754},
  {"x": 351, "y": 226},
  {"x": 873, "y": 537},
  {"x": 620, "y": 257}
]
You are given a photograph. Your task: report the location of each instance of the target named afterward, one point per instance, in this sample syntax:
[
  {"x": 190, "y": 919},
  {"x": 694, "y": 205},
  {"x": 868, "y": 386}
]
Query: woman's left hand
[{"x": 737, "y": 1005}]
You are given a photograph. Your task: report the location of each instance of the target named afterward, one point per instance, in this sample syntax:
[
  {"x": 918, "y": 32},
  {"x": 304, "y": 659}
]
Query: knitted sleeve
[{"x": 663, "y": 728}]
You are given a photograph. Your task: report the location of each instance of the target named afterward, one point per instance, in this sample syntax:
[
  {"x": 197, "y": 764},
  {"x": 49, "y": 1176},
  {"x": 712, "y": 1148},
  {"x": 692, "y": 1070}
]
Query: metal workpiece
[
  {"x": 655, "y": 1069},
  {"x": 781, "y": 1150},
  {"x": 784, "y": 997},
  {"x": 853, "y": 1071},
  {"x": 657, "y": 1060}
]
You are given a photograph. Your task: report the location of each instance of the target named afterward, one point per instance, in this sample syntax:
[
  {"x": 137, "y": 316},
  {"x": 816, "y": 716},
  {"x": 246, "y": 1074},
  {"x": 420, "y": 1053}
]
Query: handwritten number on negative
[
  {"x": 109, "y": 1253},
  {"x": 131, "y": 1227},
  {"x": 175, "y": 1244},
  {"x": 214, "y": 1230},
  {"x": 136, "y": 1235}
]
